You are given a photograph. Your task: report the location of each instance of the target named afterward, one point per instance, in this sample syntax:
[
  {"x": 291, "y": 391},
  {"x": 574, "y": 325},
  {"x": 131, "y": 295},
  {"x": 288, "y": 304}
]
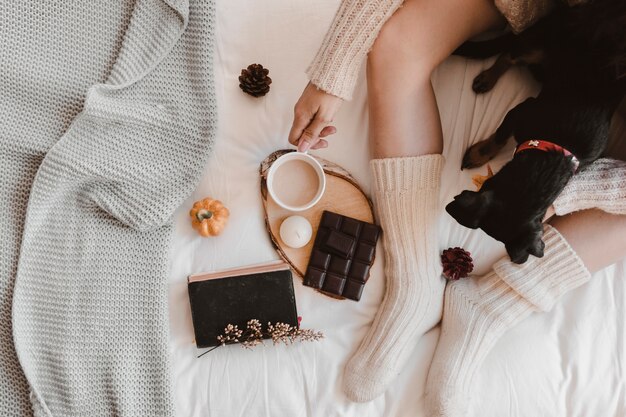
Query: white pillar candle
[{"x": 296, "y": 231}]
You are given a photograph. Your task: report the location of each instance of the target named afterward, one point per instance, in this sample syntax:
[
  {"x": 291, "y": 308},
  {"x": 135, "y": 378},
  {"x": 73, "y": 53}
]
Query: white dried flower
[{"x": 278, "y": 332}]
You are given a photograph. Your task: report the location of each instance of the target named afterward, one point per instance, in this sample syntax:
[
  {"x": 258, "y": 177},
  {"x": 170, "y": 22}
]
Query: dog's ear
[
  {"x": 529, "y": 242},
  {"x": 469, "y": 207}
]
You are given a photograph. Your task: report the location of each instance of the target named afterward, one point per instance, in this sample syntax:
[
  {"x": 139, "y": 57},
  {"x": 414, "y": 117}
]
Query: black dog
[{"x": 579, "y": 54}]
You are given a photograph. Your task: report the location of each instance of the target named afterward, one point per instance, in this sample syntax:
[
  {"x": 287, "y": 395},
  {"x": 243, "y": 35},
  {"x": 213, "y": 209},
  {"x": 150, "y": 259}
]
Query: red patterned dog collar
[{"x": 545, "y": 146}]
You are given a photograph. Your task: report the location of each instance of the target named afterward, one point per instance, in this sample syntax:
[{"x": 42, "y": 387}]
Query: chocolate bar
[{"x": 342, "y": 255}]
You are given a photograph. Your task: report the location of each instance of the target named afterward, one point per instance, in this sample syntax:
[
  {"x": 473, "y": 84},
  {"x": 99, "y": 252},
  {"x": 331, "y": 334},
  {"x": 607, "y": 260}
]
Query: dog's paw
[
  {"x": 528, "y": 243},
  {"x": 480, "y": 153},
  {"x": 484, "y": 82}
]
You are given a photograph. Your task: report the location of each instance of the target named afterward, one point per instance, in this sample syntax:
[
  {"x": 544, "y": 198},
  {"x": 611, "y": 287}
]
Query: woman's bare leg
[
  {"x": 404, "y": 119},
  {"x": 406, "y": 142},
  {"x": 597, "y": 237}
]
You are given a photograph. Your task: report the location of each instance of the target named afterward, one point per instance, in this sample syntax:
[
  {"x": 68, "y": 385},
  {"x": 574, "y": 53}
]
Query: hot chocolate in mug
[{"x": 296, "y": 181}]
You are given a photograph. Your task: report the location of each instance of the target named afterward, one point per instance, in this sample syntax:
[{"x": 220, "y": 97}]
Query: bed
[{"x": 570, "y": 362}]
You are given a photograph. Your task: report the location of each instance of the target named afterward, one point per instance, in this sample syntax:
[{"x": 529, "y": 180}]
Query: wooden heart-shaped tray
[{"x": 343, "y": 196}]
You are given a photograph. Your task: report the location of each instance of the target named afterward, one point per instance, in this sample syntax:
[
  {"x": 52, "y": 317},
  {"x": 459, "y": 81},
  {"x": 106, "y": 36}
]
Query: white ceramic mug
[{"x": 312, "y": 196}]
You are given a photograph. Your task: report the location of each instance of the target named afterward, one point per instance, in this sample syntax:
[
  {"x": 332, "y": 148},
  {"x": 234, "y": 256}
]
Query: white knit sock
[
  {"x": 477, "y": 312},
  {"x": 406, "y": 198},
  {"x": 601, "y": 185}
]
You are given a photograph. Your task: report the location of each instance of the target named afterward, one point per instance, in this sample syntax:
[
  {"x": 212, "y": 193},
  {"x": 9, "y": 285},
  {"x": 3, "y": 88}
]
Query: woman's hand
[{"x": 313, "y": 114}]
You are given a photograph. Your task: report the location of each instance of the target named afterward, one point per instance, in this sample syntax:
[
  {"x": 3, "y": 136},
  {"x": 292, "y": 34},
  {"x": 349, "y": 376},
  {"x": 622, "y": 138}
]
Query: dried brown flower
[
  {"x": 231, "y": 335},
  {"x": 254, "y": 334},
  {"x": 309, "y": 335},
  {"x": 281, "y": 332}
]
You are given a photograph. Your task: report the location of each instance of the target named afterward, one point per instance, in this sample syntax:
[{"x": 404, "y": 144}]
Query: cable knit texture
[
  {"x": 523, "y": 13},
  {"x": 477, "y": 312},
  {"x": 352, "y": 33},
  {"x": 601, "y": 185},
  {"x": 406, "y": 198},
  {"x": 108, "y": 119}
]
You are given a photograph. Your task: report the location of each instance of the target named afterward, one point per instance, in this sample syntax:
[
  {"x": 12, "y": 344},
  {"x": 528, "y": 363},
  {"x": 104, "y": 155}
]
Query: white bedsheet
[{"x": 570, "y": 362}]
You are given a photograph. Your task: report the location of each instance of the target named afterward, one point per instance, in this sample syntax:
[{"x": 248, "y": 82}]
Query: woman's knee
[
  {"x": 422, "y": 33},
  {"x": 393, "y": 58}
]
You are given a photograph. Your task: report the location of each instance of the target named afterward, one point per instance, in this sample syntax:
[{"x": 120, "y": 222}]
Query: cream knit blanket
[{"x": 108, "y": 113}]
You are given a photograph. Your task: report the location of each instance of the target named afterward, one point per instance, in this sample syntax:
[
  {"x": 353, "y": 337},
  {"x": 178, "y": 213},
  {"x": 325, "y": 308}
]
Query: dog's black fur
[{"x": 579, "y": 54}]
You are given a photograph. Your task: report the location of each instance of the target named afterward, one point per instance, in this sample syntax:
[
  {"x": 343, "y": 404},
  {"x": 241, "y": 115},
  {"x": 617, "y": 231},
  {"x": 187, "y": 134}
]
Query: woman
[{"x": 403, "y": 46}]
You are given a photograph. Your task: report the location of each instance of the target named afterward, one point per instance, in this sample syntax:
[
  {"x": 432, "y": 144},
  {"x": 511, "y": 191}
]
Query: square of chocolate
[
  {"x": 343, "y": 252},
  {"x": 353, "y": 290},
  {"x": 370, "y": 233},
  {"x": 340, "y": 244},
  {"x": 320, "y": 237},
  {"x": 330, "y": 221},
  {"x": 359, "y": 271},
  {"x": 351, "y": 227},
  {"x": 334, "y": 283},
  {"x": 365, "y": 252},
  {"x": 319, "y": 259},
  {"x": 314, "y": 278},
  {"x": 339, "y": 266}
]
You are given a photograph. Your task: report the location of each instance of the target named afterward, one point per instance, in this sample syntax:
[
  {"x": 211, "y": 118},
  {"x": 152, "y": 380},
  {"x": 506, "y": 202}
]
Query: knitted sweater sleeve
[
  {"x": 352, "y": 33},
  {"x": 602, "y": 185}
]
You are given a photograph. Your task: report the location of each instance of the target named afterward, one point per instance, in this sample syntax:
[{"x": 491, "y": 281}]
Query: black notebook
[{"x": 234, "y": 296}]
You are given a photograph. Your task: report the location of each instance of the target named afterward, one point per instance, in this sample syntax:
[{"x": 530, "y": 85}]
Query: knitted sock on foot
[
  {"x": 406, "y": 197},
  {"x": 477, "y": 312}
]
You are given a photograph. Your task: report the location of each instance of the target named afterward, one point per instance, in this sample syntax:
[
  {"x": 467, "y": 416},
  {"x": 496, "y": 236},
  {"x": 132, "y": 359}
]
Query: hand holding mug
[{"x": 313, "y": 114}]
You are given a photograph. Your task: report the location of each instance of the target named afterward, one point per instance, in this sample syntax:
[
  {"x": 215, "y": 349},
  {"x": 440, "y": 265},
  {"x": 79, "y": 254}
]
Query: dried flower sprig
[
  {"x": 254, "y": 334},
  {"x": 231, "y": 335}
]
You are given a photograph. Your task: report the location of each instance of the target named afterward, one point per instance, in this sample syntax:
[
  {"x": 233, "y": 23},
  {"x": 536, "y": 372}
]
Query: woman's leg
[
  {"x": 597, "y": 237},
  {"x": 403, "y": 114},
  {"x": 405, "y": 136},
  {"x": 478, "y": 312}
]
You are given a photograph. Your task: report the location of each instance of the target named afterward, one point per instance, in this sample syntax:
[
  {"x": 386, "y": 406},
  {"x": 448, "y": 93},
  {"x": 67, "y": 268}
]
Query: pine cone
[
  {"x": 457, "y": 263},
  {"x": 254, "y": 80}
]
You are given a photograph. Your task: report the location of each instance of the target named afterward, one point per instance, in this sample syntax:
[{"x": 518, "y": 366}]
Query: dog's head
[
  {"x": 511, "y": 205},
  {"x": 488, "y": 211}
]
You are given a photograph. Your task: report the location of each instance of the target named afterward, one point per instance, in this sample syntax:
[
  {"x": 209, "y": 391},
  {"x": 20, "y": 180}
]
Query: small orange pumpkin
[{"x": 209, "y": 217}]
